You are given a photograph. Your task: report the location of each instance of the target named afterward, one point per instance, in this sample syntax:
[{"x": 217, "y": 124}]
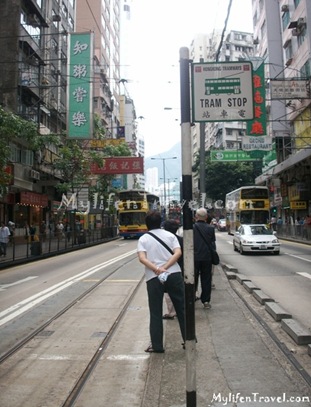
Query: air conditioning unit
[
  {"x": 296, "y": 32},
  {"x": 44, "y": 80},
  {"x": 284, "y": 8},
  {"x": 289, "y": 61},
  {"x": 33, "y": 20},
  {"x": 34, "y": 174},
  {"x": 56, "y": 17},
  {"x": 301, "y": 22}
]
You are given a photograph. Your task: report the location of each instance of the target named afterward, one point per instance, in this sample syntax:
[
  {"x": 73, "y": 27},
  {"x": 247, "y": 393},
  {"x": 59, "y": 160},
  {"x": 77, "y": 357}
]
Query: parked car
[
  {"x": 222, "y": 225},
  {"x": 255, "y": 238}
]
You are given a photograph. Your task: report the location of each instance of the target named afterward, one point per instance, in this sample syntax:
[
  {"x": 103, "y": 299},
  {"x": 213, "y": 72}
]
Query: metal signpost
[
  {"x": 187, "y": 226},
  {"x": 220, "y": 92}
]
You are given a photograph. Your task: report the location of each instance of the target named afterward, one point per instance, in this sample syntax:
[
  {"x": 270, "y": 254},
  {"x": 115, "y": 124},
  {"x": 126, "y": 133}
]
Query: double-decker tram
[
  {"x": 133, "y": 206},
  {"x": 247, "y": 205}
]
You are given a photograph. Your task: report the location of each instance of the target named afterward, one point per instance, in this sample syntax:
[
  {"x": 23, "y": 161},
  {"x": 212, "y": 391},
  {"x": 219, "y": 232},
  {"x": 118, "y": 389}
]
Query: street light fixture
[
  {"x": 163, "y": 161},
  {"x": 169, "y": 181}
]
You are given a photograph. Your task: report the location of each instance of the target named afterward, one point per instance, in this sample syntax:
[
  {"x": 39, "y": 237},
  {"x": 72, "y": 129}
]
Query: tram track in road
[
  {"x": 56, "y": 363},
  {"x": 23, "y": 342},
  {"x": 74, "y": 394}
]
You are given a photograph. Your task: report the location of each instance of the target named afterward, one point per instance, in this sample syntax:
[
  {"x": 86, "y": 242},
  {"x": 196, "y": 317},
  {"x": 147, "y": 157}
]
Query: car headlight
[
  {"x": 245, "y": 241},
  {"x": 275, "y": 241}
]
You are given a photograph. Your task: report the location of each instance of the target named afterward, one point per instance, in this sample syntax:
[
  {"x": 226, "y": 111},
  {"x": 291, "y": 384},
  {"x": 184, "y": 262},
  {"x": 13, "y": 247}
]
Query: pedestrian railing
[
  {"x": 41, "y": 245},
  {"x": 296, "y": 232}
]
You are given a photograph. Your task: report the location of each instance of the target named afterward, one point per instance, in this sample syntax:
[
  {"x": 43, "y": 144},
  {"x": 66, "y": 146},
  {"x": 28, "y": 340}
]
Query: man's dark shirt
[{"x": 201, "y": 250}]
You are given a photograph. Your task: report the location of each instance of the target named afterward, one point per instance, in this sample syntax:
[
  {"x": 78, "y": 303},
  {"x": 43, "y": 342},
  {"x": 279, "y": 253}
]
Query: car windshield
[{"x": 258, "y": 230}]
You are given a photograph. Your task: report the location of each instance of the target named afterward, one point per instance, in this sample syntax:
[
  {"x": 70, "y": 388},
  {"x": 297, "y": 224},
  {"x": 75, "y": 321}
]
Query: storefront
[{"x": 29, "y": 209}]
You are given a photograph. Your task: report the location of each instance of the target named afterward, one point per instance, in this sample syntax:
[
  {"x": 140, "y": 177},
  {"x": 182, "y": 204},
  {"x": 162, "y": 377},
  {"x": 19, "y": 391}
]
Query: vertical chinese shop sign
[
  {"x": 79, "y": 88},
  {"x": 258, "y": 126}
]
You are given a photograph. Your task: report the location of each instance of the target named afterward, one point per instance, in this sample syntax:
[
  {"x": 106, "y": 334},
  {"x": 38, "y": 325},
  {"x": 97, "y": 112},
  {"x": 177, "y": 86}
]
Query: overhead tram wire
[{"x": 223, "y": 31}]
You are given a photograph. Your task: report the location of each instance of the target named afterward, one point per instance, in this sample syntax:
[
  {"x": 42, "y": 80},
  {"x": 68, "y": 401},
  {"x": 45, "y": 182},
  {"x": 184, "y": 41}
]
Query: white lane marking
[
  {"x": 298, "y": 257},
  {"x": 23, "y": 306},
  {"x": 304, "y": 274},
  {"x": 127, "y": 357},
  {"x": 4, "y": 286}
]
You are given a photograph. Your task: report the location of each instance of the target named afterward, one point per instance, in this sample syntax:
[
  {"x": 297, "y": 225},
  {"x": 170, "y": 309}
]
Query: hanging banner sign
[
  {"x": 250, "y": 143},
  {"x": 79, "y": 86},
  {"x": 258, "y": 126},
  {"x": 120, "y": 165},
  {"x": 222, "y": 91},
  {"x": 290, "y": 89}
]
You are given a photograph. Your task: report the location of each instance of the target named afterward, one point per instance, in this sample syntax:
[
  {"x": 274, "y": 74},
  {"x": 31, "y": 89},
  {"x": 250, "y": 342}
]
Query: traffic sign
[
  {"x": 230, "y": 155},
  {"x": 222, "y": 91}
]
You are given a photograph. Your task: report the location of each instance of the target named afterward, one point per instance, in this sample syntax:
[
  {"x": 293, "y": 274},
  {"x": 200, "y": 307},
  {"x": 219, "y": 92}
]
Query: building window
[
  {"x": 65, "y": 10},
  {"x": 285, "y": 20},
  {"x": 263, "y": 29},
  {"x": 289, "y": 51},
  {"x": 302, "y": 36},
  {"x": 296, "y": 3},
  {"x": 305, "y": 71}
]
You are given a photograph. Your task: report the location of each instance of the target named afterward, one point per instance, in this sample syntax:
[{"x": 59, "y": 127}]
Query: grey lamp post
[{"x": 163, "y": 161}]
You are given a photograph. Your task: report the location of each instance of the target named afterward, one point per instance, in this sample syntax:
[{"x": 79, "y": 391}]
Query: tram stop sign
[{"x": 222, "y": 91}]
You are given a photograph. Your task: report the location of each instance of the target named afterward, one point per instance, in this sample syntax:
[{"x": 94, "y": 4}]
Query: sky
[{"x": 159, "y": 29}]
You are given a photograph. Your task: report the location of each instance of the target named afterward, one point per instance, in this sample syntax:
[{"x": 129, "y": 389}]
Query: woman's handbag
[{"x": 213, "y": 251}]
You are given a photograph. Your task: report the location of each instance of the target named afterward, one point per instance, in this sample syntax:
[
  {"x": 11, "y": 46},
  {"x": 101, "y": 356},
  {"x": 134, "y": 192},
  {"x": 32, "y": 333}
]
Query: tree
[
  {"x": 103, "y": 184},
  {"x": 74, "y": 166},
  {"x": 223, "y": 177},
  {"x": 14, "y": 129}
]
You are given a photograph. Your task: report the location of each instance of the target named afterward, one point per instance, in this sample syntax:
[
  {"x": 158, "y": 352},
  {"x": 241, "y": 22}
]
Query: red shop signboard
[
  {"x": 31, "y": 198},
  {"x": 120, "y": 165}
]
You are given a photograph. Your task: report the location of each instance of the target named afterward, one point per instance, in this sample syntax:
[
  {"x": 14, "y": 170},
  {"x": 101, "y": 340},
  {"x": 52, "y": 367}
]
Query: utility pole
[
  {"x": 188, "y": 228},
  {"x": 202, "y": 158}
]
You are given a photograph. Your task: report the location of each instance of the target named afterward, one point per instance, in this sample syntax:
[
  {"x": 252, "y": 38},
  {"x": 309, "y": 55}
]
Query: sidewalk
[{"x": 237, "y": 364}]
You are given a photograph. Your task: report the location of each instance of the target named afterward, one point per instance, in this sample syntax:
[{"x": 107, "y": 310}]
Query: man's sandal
[
  {"x": 151, "y": 350},
  {"x": 168, "y": 316}
]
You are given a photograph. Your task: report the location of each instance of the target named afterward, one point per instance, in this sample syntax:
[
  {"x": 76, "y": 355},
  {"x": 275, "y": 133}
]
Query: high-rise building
[
  {"x": 283, "y": 40},
  {"x": 33, "y": 80},
  {"x": 103, "y": 18}
]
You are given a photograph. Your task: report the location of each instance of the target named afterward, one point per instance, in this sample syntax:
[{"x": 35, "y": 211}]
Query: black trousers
[
  {"x": 174, "y": 286},
  {"x": 203, "y": 269}
]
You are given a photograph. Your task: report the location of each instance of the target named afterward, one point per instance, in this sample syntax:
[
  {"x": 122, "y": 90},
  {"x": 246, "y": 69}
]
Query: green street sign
[{"x": 231, "y": 155}]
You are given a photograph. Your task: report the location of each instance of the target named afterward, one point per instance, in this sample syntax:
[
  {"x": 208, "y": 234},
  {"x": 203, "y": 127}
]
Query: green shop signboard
[{"x": 79, "y": 87}]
